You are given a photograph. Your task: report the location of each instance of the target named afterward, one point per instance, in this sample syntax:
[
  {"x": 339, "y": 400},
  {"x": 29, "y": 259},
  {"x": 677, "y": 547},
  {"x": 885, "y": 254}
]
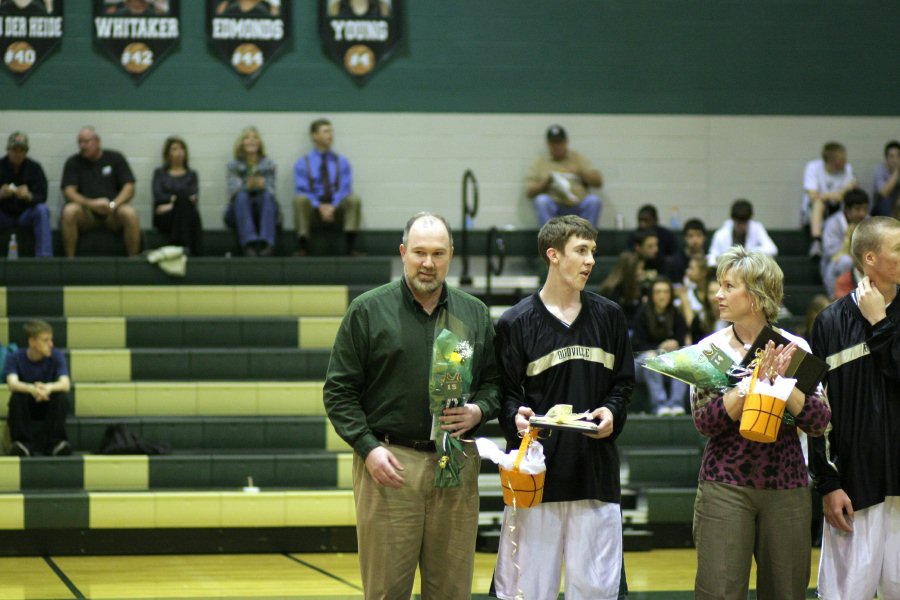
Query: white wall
[{"x": 406, "y": 162}]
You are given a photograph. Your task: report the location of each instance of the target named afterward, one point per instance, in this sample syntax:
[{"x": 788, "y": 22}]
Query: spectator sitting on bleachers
[
  {"x": 691, "y": 291},
  {"x": 646, "y": 245},
  {"x": 886, "y": 183},
  {"x": 175, "y": 196},
  {"x": 707, "y": 321},
  {"x": 659, "y": 327},
  {"x": 559, "y": 182},
  {"x": 38, "y": 379},
  {"x": 825, "y": 181},
  {"x": 666, "y": 241},
  {"x": 98, "y": 186},
  {"x": 815, "y": 306},
  {"x": 694, "y": 233},
  {"x": 623, "y": 284},
  {"x": 23, "y": 194},
  {"x": 323, "y": 182},
  {"x": 740, "y": 230},
  {"x": 836, "y": 258},
  {"x": 252, "y": 208}
]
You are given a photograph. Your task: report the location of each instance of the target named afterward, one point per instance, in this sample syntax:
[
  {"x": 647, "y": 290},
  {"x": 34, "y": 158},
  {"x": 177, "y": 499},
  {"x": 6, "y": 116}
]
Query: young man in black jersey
[
  {"x": 564, "y": 345},
  {"x": 855, "y": 465}
]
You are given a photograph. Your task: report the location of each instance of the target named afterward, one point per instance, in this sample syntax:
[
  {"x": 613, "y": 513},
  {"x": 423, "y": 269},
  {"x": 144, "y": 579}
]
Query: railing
[
  {"x": 469, "y": 182},
  {"x": 494, "y": 263}
]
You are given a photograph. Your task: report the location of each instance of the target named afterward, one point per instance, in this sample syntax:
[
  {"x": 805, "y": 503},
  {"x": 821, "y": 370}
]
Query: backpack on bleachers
[{"x": 119, "y": 440}]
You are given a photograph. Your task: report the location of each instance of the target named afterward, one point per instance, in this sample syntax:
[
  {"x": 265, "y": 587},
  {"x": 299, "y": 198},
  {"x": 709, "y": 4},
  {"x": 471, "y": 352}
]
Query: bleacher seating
[{"x": 226, "y": 366}]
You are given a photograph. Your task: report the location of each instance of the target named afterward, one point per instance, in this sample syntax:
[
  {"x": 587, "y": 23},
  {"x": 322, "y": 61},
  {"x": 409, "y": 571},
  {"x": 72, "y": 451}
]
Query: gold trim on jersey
[
  {"x": 850, "y": 354},
  {"x": 561, "y": 355}
]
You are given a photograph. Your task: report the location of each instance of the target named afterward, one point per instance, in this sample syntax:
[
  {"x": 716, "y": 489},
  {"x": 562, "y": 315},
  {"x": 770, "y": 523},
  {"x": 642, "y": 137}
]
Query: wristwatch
[{"x": 112, "y": 205}]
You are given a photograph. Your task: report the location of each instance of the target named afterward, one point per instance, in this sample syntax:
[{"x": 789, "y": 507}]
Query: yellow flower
[{"x": 455, "y": 357}]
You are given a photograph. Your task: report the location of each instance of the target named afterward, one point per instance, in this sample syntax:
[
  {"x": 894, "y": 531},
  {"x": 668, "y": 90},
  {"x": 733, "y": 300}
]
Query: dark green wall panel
[{"x": 590, "y": 56}]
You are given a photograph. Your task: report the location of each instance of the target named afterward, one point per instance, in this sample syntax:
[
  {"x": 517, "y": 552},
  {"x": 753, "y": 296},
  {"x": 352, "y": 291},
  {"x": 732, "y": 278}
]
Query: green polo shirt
[{"x": 381, "y": 363}]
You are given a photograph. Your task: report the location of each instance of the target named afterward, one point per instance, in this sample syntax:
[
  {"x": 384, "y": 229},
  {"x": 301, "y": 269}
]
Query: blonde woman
[
  {"x": 752, "y": 500},
  {"x": 252, "y": 209}
]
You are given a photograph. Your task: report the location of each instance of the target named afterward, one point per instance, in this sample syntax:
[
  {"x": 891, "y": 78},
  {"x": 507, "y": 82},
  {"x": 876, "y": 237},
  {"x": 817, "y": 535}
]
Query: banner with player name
[
  {"x": 360, "y": 34},
  {"x": 248, "y": 34},
  {"x": 137, "y": 34},
  {"x": 29, "y": 31}
]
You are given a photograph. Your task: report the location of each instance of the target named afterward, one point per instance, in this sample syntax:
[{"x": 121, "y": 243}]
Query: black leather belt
[{"x": 397, "y": 440}]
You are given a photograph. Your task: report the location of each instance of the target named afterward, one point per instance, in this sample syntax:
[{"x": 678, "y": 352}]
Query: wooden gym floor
[{"x": 655, "y": 575}]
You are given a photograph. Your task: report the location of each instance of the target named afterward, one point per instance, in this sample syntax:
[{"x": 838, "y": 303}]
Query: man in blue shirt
[
  {"x": 324, "y": 190},
  {"x": 38, "y": 378}
]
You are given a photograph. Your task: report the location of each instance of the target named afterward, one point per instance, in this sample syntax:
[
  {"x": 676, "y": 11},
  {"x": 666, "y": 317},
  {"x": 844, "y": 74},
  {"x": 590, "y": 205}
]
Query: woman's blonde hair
[
  {"x": 239, "y": 143},
  {"x": 760, "y": 273}
]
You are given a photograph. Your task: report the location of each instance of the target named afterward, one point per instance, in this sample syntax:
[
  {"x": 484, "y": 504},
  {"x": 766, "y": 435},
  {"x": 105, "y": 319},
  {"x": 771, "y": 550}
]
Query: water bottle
[
  {"x": 12, "y": 252},
  {"x": 620, "y": 221},
  {"x": 675, "y": 221}
]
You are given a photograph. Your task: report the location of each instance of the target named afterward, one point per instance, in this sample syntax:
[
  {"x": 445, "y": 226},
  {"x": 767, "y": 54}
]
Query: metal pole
[{"x": 469, "y": 182}]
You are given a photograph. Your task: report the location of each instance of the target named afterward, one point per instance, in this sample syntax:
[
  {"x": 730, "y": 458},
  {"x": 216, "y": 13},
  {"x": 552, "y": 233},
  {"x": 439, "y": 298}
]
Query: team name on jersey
[{"x": 561, "y": 355}]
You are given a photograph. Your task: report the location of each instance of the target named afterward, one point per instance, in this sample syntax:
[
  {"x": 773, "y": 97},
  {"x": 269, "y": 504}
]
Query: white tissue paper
[
  {"x": 532, "y": 463},
  {"x": 781, "y": 389}
]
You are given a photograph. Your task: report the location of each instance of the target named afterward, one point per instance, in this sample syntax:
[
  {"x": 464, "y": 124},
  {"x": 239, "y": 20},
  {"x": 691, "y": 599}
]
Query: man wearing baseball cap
[
  {"x": 23, "y": 194},
  {"x": 559, "y": 182}
]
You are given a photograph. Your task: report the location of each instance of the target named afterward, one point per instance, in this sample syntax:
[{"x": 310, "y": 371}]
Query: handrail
[
  {"x": 494, "y": 240},
  {"x": 469, "y": 182}
]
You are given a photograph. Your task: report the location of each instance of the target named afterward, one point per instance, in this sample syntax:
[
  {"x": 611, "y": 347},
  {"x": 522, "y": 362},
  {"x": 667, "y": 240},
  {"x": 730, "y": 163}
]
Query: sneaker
[
  {"x": 815, "y": 249},
  {"x": 665, "y": 411},
  {"x": 676, "y": 411},
  {"x": 19, "y": 449},
  {"x": 63, "y": 448}
]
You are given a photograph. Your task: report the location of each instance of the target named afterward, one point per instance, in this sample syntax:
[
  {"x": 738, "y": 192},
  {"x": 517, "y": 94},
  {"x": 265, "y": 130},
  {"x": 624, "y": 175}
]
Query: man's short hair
[
  {"x": 868, "y": 235},
  {"x": 648, "y": 209},
  {"x": 556, "y": 233},
  {"x": 741, "y": 210},
  {"x": 832, "y": 149},
  {"x": 37, "y": 327},
  {"x": 425, "y": 215},
  {"x": 889, "y": 145},
  {"x": 318, "y": 123},
  {"x": 760, "y": 273},
  {"x": 694, "y": 225},
  {"x": 855, "y": 197}
]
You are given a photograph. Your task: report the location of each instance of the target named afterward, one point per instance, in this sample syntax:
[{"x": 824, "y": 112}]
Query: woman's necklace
[{"x": 740, "y": 341}]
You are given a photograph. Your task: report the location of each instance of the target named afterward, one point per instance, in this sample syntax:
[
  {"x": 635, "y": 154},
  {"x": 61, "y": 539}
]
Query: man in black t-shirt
[{"x": 98, "y": 186}]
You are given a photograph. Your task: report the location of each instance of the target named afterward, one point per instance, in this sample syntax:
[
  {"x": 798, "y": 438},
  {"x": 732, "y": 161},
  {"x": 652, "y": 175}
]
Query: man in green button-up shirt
[{"x": 377, "y": 397}]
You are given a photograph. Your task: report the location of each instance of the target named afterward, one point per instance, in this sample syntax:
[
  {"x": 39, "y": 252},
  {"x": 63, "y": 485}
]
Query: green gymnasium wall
[{"x": 727, "y": 57}]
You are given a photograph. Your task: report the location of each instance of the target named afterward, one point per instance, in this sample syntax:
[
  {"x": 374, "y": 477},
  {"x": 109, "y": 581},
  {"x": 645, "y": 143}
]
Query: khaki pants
[
  {"x": 734, "y": 524},
  {"x": 417, "y": 524},
  {"x": 306, "y": 217}
]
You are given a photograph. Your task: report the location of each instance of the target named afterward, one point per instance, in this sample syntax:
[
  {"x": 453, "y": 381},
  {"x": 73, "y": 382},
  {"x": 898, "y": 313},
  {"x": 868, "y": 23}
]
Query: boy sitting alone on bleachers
[{"x": 38, "y": 379}]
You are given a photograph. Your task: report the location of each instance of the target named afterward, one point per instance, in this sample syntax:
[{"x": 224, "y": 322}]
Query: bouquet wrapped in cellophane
[
  {"x": 704, "y": 366},
  {"x": 451, "y": 378}
]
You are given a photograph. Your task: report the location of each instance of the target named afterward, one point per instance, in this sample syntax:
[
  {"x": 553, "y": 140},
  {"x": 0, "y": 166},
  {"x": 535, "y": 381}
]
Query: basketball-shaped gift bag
[
  {"x": 764, "y": 408},
  {"x": 522, "y": 489}
]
